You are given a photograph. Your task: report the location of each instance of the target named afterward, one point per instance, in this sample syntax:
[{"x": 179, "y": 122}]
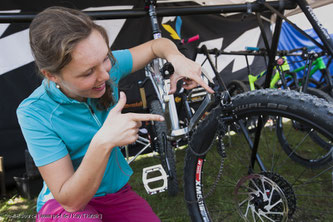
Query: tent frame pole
[{"x": 162, "y": 11}]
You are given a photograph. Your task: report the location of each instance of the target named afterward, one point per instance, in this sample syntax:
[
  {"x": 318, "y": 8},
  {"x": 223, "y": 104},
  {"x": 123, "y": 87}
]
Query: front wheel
[
  {"x": 223, "y": 183},
  {"x": 164, "y": 148}
]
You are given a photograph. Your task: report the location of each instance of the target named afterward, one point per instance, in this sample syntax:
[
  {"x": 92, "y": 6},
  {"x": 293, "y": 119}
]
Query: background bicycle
[{"x": 284, "y": 77}]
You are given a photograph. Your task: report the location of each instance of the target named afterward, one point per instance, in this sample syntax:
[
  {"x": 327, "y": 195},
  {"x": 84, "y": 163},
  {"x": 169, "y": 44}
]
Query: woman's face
[{"x": 85, "y": 76}]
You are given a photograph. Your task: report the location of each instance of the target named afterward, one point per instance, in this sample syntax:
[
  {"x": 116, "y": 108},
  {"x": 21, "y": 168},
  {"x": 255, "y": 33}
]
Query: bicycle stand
[{"x": 146, "y": 181}]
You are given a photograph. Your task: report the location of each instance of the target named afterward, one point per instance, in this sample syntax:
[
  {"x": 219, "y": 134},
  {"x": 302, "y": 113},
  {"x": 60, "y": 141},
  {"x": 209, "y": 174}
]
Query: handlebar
[
  {"x": 305, "y": 52},
  {"x": 191, "y": 39}
]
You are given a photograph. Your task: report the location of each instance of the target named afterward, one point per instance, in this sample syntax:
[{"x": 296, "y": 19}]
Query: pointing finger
[
  {"x": 203, "y": 84},
  {"x": 145, "y": 117}
]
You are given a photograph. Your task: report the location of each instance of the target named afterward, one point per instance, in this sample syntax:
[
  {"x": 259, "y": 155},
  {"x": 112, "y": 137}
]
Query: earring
[{"x": 57, "y": 86}]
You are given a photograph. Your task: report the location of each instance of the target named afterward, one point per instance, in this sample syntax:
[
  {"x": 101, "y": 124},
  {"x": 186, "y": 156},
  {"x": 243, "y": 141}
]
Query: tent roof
[
  {"x": 323, "y": 13},
  {"x": 314, "y": 3}
]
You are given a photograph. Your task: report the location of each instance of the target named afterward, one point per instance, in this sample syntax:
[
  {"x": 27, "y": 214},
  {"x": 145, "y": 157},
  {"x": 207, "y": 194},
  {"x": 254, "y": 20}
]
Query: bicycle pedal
[{"x": 162, "y": 177}]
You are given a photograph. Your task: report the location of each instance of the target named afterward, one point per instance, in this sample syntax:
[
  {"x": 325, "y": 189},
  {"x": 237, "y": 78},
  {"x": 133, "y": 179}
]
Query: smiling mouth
[{"x": 101, "y": 87}]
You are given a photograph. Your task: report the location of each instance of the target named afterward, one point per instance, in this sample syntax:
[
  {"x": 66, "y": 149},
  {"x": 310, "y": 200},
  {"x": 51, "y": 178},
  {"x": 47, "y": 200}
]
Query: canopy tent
[{"x": 322, "y": 8}]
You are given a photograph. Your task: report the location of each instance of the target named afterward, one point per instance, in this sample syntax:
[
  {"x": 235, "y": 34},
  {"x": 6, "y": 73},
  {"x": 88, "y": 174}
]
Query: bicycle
[
  {"x": 283, "y": 77},
  {"x": 163, "y": 139},
  {"x": 287, "y": 79},
  {"x": 318, "y": 157},
  {"x": 157, "y": 131},
  {"x": 250, "y": 177}
]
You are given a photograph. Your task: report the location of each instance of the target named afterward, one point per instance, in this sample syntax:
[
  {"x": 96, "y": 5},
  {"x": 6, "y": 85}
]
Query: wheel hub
[
  {"x": 286, "y": 189},
  {"x": 259, "y": 202}
]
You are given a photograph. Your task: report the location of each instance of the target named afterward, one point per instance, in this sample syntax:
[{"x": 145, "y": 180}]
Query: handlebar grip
[
  {"x": 192, "y": 39},
  {"x": 304, "y": 49},
  {"x": 249, "y": 48}
]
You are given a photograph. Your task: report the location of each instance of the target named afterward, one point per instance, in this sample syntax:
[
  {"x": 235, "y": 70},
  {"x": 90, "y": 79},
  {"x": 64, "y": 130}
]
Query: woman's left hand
[
  {"x": 164, "y": 48},
  {"x": 187, "y": 70}
]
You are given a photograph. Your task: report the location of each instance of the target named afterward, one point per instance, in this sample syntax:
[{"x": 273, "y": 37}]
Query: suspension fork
[
  {"x": 327, "y": 77},
  {"x": 305, "y": 81},
  {"x": 282, "y": 76},
  {"x": 328, "y": 80}
]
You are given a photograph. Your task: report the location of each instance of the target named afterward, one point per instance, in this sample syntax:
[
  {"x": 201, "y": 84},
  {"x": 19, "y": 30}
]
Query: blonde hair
[{"x": 55, "y": 32}]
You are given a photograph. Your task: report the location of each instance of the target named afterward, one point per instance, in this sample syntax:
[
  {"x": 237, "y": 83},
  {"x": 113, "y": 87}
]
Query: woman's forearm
[
  {"x": 165, "y": 48},
  {"x": 79, "y": 188}
]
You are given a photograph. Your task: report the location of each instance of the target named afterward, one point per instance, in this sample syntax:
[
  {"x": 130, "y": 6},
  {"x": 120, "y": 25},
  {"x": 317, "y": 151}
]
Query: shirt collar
[{"x": 56, "y": 94}]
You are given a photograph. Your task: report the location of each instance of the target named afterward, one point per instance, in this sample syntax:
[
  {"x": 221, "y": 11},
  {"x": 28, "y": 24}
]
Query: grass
[
  {"x": 167, "y": 208},
  {"x": 16, "y": 208},
  {"x": 308, "y": 190}
]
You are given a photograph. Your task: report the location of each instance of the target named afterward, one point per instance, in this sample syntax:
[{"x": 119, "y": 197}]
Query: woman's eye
[
  {"x": 91, "y": 71},
  {"x": 106, "y": 59}
]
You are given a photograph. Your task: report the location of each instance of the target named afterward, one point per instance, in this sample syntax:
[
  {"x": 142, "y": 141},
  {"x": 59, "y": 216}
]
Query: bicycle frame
[
  {"x": 279, "y": 70},
  {"x": 284, "y": 70}
]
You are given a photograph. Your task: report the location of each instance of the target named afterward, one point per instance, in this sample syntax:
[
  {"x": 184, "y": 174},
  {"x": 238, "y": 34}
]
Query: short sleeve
[
  {"x": 43, "y": 143},
  {"x": 123, "y": 65}
]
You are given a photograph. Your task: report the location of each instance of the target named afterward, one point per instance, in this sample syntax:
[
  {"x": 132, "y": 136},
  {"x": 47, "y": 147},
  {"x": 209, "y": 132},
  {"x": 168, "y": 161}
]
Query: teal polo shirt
[{"x": 54, "y": 125}]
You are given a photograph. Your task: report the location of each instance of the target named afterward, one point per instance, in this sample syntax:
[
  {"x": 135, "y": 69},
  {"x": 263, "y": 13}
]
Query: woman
[{"x": 73, "y": 123}]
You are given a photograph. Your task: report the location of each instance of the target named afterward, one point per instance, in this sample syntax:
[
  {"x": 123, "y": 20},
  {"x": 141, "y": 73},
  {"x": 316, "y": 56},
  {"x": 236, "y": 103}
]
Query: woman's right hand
[{"x": 122, "y": 129}]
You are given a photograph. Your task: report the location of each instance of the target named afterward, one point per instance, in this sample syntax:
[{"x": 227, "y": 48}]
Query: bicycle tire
[
  {"x": 327, "y": 90},
  {"x": 313, "y": 159},
  {"x": 164, "y": 148},
  {"x": 236, "y": 87},
  {"x": 315, "y": 84},
  {"x": 312, "y": 84},
  {"x": 307, "y": 193},
  {"x": 320, "y": 94}
]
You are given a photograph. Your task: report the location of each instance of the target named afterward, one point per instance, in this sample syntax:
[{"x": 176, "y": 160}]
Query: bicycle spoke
[{"x": 294, "y": 150}]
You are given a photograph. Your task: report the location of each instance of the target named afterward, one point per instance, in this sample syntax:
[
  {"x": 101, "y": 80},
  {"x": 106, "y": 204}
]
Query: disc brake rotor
[{"x": 264, "y": 197}]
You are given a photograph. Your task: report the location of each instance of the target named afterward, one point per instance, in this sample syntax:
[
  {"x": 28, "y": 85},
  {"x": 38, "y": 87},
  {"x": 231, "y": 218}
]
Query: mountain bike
[
  {"x": 314, "y": 62},
  {"x": 235, "y": 168},
  {"x": 158, "y": 131},
  {"x": 288, "y": 79},
  {"x": 154, "y": 135},
  {"x": 178, "y": 108},
  {"x": 283, "y": 76}
]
